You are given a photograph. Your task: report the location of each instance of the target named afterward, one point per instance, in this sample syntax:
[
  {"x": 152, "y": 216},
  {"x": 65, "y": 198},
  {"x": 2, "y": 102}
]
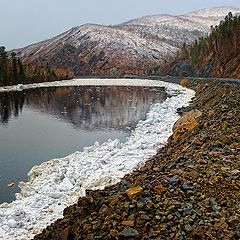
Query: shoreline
[
  {"x": 58, "y": 183},
  {"x": 136, "y": 82},
  {"x": 189, "y": 190}
]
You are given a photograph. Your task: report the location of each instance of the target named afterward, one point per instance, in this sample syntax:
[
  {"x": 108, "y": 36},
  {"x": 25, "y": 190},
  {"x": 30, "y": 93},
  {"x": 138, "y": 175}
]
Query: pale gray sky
[{"x": 28, "y": 21}]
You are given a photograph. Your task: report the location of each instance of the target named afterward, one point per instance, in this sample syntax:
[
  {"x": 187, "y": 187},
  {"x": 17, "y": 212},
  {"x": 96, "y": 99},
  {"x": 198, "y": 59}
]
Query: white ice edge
[
  {"x": 88, "y": 82},
  {"x": 65, "y": 180}
]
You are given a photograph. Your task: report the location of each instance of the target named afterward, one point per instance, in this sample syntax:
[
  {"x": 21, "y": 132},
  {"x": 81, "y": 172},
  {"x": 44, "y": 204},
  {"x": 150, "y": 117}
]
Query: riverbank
[
  {"x": 189, "y": 190},
  {"x": 58, "y": 183}
]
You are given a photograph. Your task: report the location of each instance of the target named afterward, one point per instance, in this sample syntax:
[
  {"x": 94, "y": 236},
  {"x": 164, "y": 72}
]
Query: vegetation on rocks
[
  {"x": 184, "y": 82},
  {"x": 189, "y": 190},
  {"x": 217, "y": 55},
  {"x": 13, "y": 71}
]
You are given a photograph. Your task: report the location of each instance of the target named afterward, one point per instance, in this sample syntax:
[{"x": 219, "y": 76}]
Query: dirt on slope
[{"x": 189, "y": 190}]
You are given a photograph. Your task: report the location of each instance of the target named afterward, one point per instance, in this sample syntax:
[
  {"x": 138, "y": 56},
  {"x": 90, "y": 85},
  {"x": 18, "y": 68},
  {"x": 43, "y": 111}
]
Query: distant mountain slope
[
  {"x": 127, "y": 48},
  {"x": 217, "y": 55}
]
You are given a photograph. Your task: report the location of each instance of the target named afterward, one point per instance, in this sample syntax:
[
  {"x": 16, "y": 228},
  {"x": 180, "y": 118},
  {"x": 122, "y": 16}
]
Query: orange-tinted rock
[
  {"x": 64, "y": 235},
  {"x": 134, "y": 192},
  {"x": 129, "y": 223},
  {"x": 159, "y": 189},
  {"x": 187, "y": 122}
]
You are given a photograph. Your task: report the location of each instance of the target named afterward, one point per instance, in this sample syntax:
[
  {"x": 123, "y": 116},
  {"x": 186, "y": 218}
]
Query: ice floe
[{"x": 58, "y": 183}]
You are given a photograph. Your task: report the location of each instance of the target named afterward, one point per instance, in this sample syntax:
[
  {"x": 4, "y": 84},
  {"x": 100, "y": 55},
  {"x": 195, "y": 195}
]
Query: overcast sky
[{"x": 23, "y": 22}]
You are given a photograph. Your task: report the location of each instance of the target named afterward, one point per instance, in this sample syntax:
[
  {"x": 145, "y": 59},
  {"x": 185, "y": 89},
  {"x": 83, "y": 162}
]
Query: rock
[
  {"x": 11, "y": 185},
  {"x": 196, "y": 141},
  {"x": 129, "y": 223},
  {"x": 169, "y": 166},
  {"x": 114, "y": 233},
  {"x": 149, "y": 204},
  {"x": 188, "y": 228},
  {"x": 186, "y": 187},
  {"x": 235, "y": 172},
  {"x": 129, "y": 232},
  {"x": 141, "y": 202},
  {"x": 216, "y": 146},
  {"x": 103, "y": 209},
  {"x": 172, "y": 165},
  {"x": 174, "y": 180},
  {"x": 64, "y": 235},
  {"x": 145, "y": 217},
  {"x": 181, "y": 159},
  {"x": 134, "y": 192},
  {"x": 187, "y": 122},
  {"x": 126, "y": 205},
  {"x": 214, "y": 205},
  {"x": 186, "y": 209},
  {"x": 159, "y": 189}
]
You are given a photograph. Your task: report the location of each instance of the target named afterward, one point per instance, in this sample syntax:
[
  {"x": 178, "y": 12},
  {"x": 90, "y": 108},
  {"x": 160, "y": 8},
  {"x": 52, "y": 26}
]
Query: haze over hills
[{"x": 127, "y": 48}]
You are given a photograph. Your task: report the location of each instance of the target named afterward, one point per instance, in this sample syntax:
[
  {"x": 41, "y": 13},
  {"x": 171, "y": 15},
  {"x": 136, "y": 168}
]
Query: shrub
[{"x": 184, "y": 82}]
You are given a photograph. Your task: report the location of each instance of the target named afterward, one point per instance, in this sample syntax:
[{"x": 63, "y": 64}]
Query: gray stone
[
  {"x": 187, "y": 209},
  {"x": 186, "y": 187},
  {"x": 174, "y": 180},
  {"x": 214, "y": 205},
  {"x": 128, "y": 232},
  {"x": 145, "y": 217}
]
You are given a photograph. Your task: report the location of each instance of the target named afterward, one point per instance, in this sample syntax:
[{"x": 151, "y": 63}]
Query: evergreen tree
[
  {"x": 21, "y": 74},
  {"x": 3, "y": 65},
  {"x": 218, "y": 49},
  {"x": 14, "y": 71}
]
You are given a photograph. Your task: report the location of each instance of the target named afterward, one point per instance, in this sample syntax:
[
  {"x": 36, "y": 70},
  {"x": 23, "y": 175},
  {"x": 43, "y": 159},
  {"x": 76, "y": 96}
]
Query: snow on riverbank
[
  {"x": 55, "y": 184},
  {"x": 88, "y": 82}
]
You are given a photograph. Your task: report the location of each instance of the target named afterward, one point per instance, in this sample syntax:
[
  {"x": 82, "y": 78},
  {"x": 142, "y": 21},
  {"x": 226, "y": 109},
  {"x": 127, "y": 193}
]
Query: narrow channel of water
[{"x": 40, "y": 124}]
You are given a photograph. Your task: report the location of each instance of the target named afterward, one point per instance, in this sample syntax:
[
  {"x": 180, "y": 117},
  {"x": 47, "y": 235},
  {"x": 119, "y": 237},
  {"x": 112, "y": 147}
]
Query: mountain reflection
[{"x": 88, "y": 108}]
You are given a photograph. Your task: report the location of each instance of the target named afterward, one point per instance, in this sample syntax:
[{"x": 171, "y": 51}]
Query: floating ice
[
  {"x": 12, "y": 223},
  {"x": 58, "y": 183}
]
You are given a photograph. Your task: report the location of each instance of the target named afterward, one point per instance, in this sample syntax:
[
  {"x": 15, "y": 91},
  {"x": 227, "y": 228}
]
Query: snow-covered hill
[{"x": 127, "y": 48}]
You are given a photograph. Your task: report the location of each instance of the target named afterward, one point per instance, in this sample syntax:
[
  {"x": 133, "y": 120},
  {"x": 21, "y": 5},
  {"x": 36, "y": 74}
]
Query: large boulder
[{"x": 187, "y": 122}]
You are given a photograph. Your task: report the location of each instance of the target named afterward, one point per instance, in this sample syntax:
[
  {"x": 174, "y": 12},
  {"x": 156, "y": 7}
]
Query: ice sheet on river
[{"x": 59, "y": 182}]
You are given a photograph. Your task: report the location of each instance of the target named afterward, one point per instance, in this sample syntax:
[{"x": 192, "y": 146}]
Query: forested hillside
[
  {"x": 217, "y": 55},
  {"x": 13, "y": 71}
]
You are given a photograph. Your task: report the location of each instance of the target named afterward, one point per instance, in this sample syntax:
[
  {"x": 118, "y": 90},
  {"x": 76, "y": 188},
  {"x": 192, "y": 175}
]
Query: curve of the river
[{"x": 58, "y": 183}]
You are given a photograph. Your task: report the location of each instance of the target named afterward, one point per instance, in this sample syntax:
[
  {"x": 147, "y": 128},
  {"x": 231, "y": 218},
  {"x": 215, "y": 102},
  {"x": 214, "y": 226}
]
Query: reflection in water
[
  {"x": 42, "y": 124},
  {"x": 10, "y": 104},
  {"x": 88, "y": 108}
]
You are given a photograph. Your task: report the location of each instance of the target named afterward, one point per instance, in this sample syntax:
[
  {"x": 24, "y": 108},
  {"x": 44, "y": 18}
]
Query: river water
[{"x": 41, "y": 124}]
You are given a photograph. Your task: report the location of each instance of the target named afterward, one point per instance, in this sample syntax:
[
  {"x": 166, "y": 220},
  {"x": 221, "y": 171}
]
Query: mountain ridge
[
  {"x": 217, "y": 55},
  {"x": 125, "y": 49}
]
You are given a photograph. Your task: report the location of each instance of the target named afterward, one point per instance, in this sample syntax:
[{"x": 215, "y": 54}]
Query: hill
[
  {"x": 217, "y": 55},
  {"x": 13, "y": 71},
  {"x": 127, "y": 48}
]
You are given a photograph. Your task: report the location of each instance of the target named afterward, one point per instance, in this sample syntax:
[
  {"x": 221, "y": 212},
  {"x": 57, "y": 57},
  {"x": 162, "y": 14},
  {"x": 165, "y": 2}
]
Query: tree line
[
  {"x": 13, "y": 71},
  {"x": 216, "y": 55},
  {"x": 222, "y": 43}
]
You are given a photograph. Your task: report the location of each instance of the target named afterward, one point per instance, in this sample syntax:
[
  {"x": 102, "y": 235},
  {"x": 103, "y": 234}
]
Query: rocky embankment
[{"x": 189, "y": 190}]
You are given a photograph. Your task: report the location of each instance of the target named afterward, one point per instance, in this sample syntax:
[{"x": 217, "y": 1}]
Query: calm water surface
[{"x": 40, "y": 124}]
